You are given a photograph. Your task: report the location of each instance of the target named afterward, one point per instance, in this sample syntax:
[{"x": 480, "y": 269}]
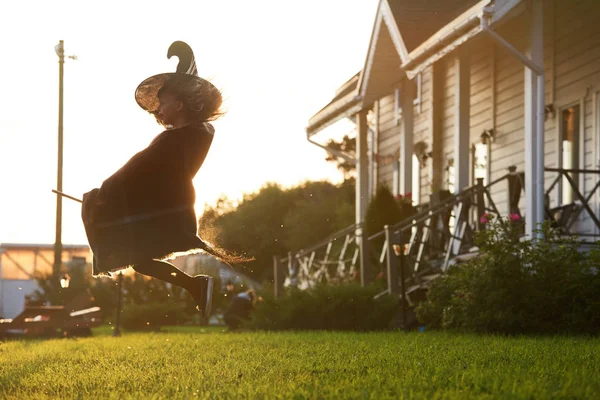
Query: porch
[{"x": 408, "y": 255}]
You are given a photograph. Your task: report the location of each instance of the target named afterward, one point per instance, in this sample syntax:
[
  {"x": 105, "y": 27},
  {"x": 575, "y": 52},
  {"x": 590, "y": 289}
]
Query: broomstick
[
  {"x": 67, "y": 196},
  {"x": 219, "y": 253}
]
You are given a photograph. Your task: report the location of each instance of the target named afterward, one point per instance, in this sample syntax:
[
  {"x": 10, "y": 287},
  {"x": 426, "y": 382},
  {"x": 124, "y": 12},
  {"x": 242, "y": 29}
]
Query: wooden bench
[{"x": 76, "y": 318}]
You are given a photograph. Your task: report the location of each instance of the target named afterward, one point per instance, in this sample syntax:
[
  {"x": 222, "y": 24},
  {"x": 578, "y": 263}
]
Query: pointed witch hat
[{"x": 146, "y": 94}]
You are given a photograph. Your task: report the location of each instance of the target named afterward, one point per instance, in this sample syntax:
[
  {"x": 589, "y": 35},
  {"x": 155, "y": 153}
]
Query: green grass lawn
[{"x": 196, "y": 363}]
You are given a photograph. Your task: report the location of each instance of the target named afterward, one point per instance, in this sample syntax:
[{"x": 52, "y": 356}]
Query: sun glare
[{"x": 274, "y": 73}]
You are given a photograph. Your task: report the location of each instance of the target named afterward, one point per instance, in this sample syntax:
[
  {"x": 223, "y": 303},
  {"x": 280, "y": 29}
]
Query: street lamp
[
  {"x": 60, "y": 52},
  {"x": 64, "y": 281}
]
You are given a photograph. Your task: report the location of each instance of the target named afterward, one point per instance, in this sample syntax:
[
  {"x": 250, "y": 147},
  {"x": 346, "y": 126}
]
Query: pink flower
[
  {"x": 400, "y": 197},
  {"x": 514, "y": 217},
  {"x": 484, "y": 218}
]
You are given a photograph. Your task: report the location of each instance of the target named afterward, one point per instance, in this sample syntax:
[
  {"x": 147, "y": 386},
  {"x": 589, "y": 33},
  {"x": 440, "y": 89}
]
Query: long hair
[{"x": 201, "y": 100}]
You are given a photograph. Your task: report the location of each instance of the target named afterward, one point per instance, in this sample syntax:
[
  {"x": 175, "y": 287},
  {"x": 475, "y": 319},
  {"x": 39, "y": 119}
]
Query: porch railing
[
  {"x": 332, "y": 259},
  {"x": 565, "y": 214},
  {"x": 440, "y": 234},
  {"x": 443, "y": 227}
]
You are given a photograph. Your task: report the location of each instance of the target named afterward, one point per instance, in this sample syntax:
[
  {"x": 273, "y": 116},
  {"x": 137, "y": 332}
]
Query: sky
[{"x": 276, "y": 62}]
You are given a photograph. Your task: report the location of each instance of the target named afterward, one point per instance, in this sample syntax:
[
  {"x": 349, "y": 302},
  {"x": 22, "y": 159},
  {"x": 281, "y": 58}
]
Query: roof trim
[
  {"x": 390, "y": 21},
  {"x": 443, "y": 51},
  {"x": 363, "y": 81},
  {"x": 457, "y": 32},
  {"x": 384, "y": 15},
  {"x": 450, "y": 30},
  {"x": 345, "y": 97},
  {"x": 343, "y": 107},
  {"x": 349, "y": 85}
]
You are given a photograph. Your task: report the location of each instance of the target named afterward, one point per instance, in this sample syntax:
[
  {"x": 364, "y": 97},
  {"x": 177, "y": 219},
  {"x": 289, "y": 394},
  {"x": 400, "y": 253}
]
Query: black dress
[{"x": 146, "y": 210}]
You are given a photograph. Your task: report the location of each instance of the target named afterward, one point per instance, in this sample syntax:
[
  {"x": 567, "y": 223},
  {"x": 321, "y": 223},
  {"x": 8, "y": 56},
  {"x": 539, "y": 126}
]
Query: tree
[
  {"x": 382, "y": 210},
  {"x": 345, "y": 146},
  {"x": 274, "y": 221},
  {"x": 254, "y": 227},
  {"x": 320, "y": 209}
]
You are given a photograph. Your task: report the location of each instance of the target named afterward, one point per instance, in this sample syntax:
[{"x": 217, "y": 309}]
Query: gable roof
[
  {"x": 400, "y": 27},
  {"x": 407, "y": 36},
  {"x": 419, "y": 20},
  {"x": 385, "y": 54},
  {"x": 343, "y": 104}
]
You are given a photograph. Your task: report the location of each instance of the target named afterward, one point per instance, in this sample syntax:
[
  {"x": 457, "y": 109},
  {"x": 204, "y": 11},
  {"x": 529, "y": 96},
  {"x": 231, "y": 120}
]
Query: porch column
[
  {"x": 362, "y": 191},
  {"x": 406, "y": 140},
  {"x": 437, "y": 136},
  {"x": 462, "y": 113},
  {"x": 538, "y": 58},
  {"x": 534, "y": 125}
]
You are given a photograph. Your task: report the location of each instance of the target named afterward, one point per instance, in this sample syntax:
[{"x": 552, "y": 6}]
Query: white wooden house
[{"x": 455, "y": 90}]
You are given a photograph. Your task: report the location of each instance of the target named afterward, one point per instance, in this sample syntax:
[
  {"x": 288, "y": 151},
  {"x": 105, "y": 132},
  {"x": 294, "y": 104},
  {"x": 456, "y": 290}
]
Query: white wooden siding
[
  {"x": 447, "y": 112},
  {"x": 481, "y": 107},
  {"x": 577, "y": 70},
  {"x": 481, "y": 89},
  {"x": 507, "y": 149},
  {"x": 422, "y": 129},
  {"x": 572, "y": 68},
  {"x": 389, "y": 133},
  {"x": 389, "y": 139}
]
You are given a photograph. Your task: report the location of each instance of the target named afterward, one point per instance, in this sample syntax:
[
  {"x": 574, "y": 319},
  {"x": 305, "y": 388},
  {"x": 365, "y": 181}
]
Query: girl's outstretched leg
[
  {"x": 200, "y": 287},
  {"x": 167, "y": 272}
]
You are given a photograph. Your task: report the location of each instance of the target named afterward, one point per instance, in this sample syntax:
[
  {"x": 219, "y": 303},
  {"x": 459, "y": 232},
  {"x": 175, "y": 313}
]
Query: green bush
[
  {"x": 325, "y": 307},
  {"x": 518, "y": 286},
  {"x": 382, "y": 210},
  {"x": 153, "y": 315}
]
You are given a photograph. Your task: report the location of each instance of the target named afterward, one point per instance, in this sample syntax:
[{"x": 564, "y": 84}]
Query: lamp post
[{"x": 60, "y": 51}]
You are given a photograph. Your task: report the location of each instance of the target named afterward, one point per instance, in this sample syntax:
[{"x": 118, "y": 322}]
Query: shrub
[
  {"x": 518, "y": 286},
  {"x": 382, "y": 210},
  {"x": 325, "y": 307}
]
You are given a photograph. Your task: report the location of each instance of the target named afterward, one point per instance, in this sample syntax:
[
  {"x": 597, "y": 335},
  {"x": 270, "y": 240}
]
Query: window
[
  {"x": 397, "y": 107},
  {"x": 396, "y": 177},
  {"x": 569, "y": 150},
  {"x": 416, "y": 180},
  {"x": 451, "y": 176},
  {"x": 451, "y": 186}
]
